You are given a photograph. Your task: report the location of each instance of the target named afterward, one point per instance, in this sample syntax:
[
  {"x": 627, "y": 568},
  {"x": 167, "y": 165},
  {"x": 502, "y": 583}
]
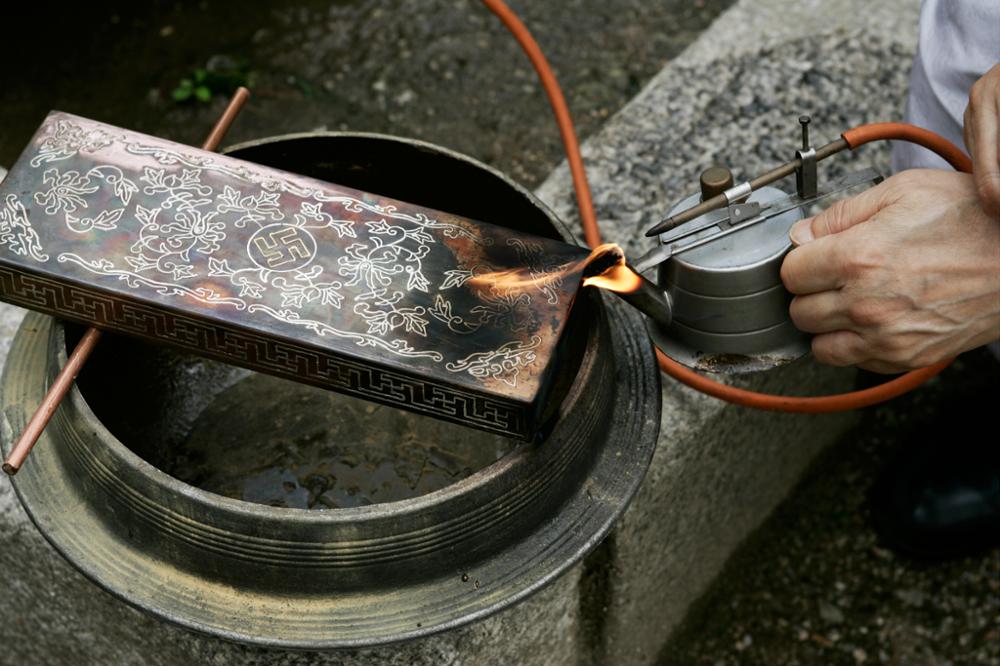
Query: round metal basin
[{"x": 267, "y": 512}]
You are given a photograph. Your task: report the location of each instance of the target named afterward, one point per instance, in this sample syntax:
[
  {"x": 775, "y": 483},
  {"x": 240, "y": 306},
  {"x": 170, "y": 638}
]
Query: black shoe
[{"x": 941, "y": 498}]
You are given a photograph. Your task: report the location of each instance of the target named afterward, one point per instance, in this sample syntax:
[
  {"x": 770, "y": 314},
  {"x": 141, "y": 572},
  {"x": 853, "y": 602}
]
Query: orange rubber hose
[
  {"x": 951, "y": 153},
  {"x": 855, "y": 137}
]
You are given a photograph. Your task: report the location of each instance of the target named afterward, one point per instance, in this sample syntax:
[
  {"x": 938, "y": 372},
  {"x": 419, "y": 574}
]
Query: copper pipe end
[
  {"x": 228, "y": 116},
  {"x": 60, "y": 387},
  {"x": 64, "y": 380}
]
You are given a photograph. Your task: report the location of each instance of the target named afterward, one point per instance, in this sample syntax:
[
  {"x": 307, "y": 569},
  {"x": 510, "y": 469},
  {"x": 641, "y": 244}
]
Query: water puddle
[{"x": 275, "y": 442}]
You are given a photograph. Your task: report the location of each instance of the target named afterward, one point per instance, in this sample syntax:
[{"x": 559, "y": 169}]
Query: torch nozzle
[
  {"x": 608, "y": 269},
  {"x": 649, "y": 299}
]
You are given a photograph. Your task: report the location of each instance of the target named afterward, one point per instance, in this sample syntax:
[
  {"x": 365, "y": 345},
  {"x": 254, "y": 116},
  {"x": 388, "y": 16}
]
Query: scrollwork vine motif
[
  {"x": 67, "y": 192},
  {"x": 16, "y": 232},
  {"x": 67, "y": 139},
  {"x": 503, "y": 364}
]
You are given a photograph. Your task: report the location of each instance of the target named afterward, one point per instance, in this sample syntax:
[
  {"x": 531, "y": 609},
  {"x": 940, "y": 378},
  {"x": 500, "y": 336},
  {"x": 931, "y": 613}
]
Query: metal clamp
[
  {"x": 737, "y": 193},
  {"x": 805, "y": 173},
  {"x": 739, "y": 208},
  {"x": 742, "y": 212}
]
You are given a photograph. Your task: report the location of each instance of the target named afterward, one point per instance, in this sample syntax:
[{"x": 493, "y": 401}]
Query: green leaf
[
  {"x": 182, "y": 93},
  {"x": 306, "y": 87},
  {"x": 202, "y": 93}
]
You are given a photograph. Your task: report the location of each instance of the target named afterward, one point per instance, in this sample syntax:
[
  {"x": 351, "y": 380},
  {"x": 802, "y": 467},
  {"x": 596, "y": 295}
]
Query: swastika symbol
[{"x": 282, "y": 247}]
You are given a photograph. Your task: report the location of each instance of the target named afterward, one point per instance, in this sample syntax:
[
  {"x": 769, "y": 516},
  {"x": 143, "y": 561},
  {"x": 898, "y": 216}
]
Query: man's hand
[
  {"x": 899, "y": 277},
  {"x": 982, "y": 137}
]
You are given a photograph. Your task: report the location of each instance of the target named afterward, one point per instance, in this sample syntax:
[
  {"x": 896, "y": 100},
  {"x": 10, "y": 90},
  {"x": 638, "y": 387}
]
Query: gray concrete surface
[
  {"x": 816, "y": 585},
  {"x": 750, "y": 27},
  {"x": 719, "y": 470}
]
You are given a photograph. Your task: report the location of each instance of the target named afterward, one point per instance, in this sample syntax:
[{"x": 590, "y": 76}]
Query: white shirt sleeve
[{"x": 959, "y": 41}]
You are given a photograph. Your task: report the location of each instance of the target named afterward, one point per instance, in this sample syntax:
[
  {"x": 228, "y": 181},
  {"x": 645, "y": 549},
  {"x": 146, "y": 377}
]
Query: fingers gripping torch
[{"x": 718, "y": 255}]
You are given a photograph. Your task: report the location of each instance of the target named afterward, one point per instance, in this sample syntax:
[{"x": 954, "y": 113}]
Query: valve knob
[{"x": 715, "y": 180}]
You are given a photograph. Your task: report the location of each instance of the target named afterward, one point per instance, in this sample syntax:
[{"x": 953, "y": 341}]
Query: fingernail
[{"x": 801, "y": 232}]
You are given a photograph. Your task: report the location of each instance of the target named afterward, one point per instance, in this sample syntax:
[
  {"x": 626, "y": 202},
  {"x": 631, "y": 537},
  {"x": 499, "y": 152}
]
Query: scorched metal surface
[{"x": 286, "y": 274}]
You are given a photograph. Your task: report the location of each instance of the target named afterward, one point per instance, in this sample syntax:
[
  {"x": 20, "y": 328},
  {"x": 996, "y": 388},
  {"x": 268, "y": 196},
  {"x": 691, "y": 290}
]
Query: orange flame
[
  {"x": 518, "y": 278},
  {"x": 617, "y": 277}
]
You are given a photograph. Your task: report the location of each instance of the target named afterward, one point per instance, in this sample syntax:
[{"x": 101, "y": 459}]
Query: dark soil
[{"x": 441, "y": 70}]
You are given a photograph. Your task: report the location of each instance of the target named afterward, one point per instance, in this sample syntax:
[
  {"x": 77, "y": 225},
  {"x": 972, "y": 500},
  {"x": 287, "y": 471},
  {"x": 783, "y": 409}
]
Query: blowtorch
[
  {"x": 718, "y": 258},
  {"x": 803, "y": 166}
]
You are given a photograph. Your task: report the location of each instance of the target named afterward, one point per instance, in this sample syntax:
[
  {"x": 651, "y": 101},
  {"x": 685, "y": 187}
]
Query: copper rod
[
  {"x": 228, "y": 116},
  {"x": 64, "y": 380},
  {"x": 56, "y": 392}
]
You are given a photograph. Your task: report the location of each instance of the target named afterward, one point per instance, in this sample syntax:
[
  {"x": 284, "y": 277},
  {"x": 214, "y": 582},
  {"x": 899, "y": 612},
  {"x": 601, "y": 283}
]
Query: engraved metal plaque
[{"x": 285, "y": 274}]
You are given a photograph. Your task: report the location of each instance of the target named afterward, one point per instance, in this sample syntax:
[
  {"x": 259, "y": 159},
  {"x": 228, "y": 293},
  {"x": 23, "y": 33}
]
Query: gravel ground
[{"x": 815, "y": 586}]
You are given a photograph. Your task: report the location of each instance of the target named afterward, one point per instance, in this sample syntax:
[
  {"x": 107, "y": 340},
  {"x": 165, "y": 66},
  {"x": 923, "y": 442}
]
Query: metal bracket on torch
[
  {"x": 805, "y": 175},
  {"x": 747, "y": 215},
  {"x": 804, "y": 166}
]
